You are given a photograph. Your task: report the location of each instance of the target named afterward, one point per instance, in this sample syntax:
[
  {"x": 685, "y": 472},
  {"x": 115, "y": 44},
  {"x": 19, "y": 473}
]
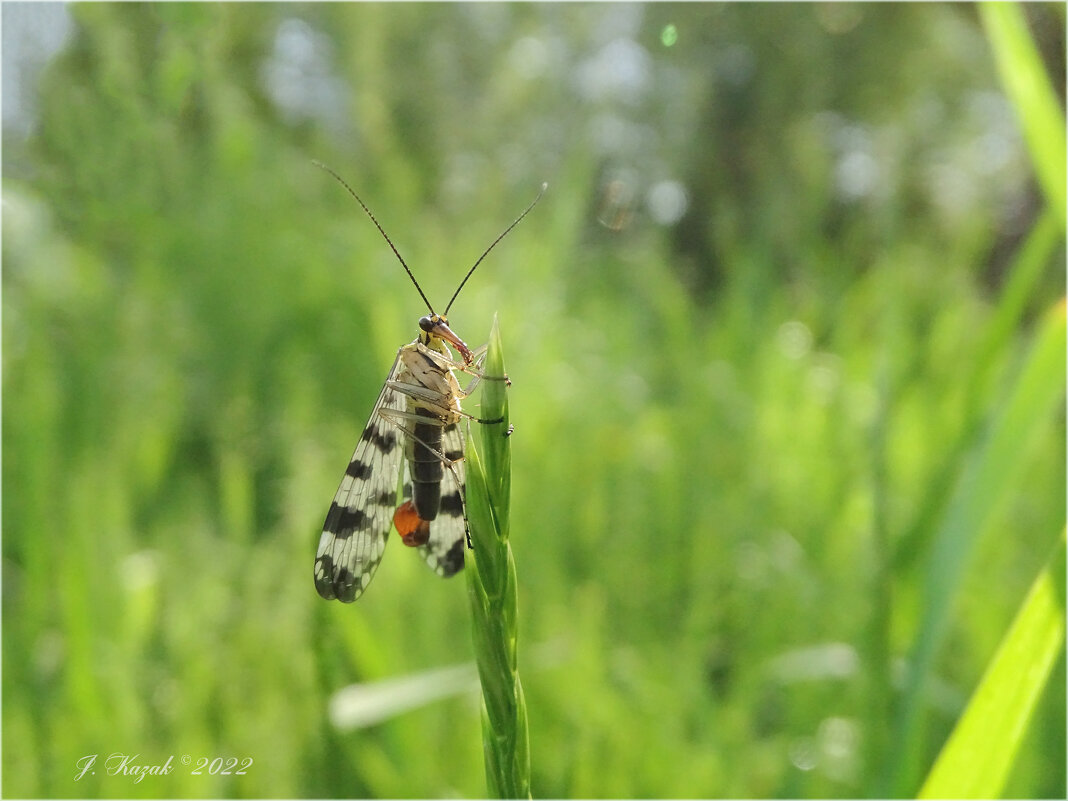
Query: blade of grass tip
[
  {"x": 978, "y": 756},
  {"x": 989, "y": 474},
  {"x": 495, "y": 442},
  {"x": 491, "y": 581},
  {"x": 1029, "y": 88}
]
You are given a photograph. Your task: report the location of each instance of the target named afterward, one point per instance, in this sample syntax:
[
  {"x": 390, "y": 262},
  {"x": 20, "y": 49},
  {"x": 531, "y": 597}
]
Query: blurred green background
[{"x": 782, "y": 469}]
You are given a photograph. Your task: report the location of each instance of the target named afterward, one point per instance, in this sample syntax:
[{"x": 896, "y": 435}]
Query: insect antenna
[
  {"x": 544, "y": 186},
  {"x": 385, "y": 236}
]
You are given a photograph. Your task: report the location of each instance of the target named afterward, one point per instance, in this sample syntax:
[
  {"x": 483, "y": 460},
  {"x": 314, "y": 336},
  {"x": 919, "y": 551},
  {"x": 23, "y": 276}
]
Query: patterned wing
[
  {"x": 358, "y": 523},
  {"x": 444, "y": 551}
]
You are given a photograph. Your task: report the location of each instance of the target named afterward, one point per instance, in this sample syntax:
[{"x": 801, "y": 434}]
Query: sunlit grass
[{"x": 977, "y": 758}]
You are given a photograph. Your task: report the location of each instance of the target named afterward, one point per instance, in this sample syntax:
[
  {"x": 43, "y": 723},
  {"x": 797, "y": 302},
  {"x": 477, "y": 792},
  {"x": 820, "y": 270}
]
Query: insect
[{"x": 413, "y": 441}]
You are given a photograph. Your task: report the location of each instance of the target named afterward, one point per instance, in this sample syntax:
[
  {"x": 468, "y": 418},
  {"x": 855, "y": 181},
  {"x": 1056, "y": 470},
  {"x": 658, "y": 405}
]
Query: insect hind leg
[
  {"x": 482, "y": 420},
  {"x": 396, "y": 416},
  {"x": 399, "y": 419}
]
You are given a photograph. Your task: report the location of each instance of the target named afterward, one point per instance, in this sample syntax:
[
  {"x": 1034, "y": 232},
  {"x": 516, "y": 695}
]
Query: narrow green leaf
[
  {"x": 979, "y": 754},
  {"x": 1036, "y": 255},
  {"x": 1030, "y": 90},
  {"x": 990, "y": 473}
]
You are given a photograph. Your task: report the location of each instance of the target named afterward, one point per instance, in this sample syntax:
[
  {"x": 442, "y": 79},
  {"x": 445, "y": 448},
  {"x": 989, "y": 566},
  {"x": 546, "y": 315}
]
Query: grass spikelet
[{"x": 491, "y": 583}]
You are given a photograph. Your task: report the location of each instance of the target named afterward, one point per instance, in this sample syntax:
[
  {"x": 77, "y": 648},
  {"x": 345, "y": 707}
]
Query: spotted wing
[
  {"x": 358, "y": 523},
  {"x": 444, "y": 551}
]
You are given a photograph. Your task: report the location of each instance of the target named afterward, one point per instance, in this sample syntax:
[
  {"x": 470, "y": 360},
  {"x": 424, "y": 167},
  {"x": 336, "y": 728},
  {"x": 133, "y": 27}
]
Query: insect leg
[
  {"x": 396, "y": 415},
  {"x": 472, "y": 369},
  {"x": 412, "y": 525}
]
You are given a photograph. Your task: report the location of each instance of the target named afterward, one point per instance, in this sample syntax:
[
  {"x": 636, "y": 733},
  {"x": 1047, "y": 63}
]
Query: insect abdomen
[{"x": 426, "y": 467}]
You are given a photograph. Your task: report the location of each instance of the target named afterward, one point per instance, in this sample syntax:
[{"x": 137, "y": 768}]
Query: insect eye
[{"x": 426, "y": 323}]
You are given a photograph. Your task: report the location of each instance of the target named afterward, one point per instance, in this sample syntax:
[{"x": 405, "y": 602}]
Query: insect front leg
[
  {"x": 432, "y": 397},
  {"x": 479, "y": 354},
  {"x": 473, "y": 383},
  {"x": 474, "y": 368}
]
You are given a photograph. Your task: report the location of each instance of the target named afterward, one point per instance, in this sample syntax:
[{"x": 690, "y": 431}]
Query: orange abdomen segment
[{"x": 413, "y": 529}]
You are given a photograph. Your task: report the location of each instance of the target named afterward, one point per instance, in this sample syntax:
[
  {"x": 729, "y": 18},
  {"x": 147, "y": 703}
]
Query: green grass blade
[
  {"x": 1029, "y": 88},
  {"x": 979, "y": 754},
  {"x": 989, "y": 475},
  {"x": 1036, "y": 255},
  {"x": 491, "y": 582}
]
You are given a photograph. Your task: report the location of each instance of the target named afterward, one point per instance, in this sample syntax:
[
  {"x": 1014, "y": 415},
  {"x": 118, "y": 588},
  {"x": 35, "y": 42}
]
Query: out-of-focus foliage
[{"x": 766, "y": 331}]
